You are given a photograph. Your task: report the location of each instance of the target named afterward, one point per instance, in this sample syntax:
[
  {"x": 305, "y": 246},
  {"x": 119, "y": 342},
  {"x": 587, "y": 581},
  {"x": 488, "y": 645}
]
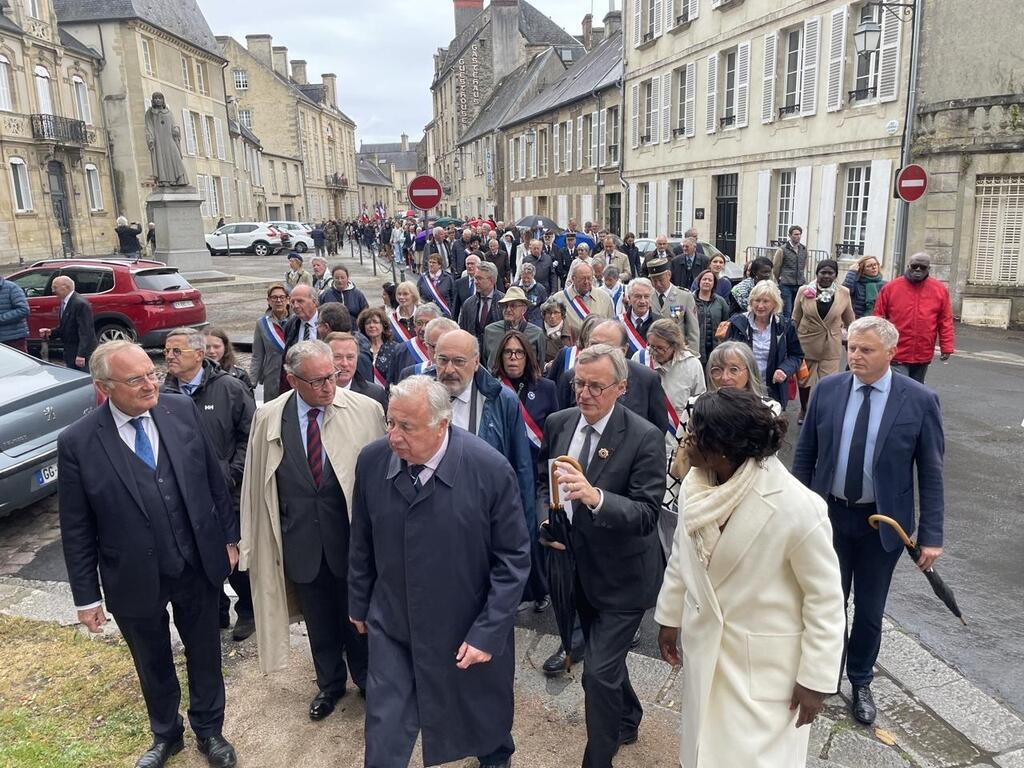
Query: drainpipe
[
  {"x": 115, "y": 197},
  {"x": 622, "y": 149},
  {"x": 899, "y": 251}
]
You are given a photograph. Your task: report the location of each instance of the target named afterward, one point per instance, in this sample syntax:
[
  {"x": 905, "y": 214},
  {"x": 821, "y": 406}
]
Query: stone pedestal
[{"x": 180, "y": 240}]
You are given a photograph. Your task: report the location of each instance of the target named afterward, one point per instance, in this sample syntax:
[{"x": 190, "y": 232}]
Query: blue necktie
[
  {"x": 188, "y": 389},
  {"x": 143, "y": 448},
  {"x": 854, "y": 485}
]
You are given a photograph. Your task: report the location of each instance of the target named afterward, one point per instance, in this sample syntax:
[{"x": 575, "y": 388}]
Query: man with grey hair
[
  {"x": 866, "y": 437},
  {"x": 613, "y": 506},
  {"x": 321, "y": 280},
  {"x": 535, "y": 292},
  {"x": 74, "y": 324},
  {"x": 435, "y": 329},
  {"x": 541, "y": 260},
  {"x": 415, "y": 349},
  {"x": 482, "y": 308},
  {"x": 296, "y": 505},
  {"x": 582, "y": 298},
  {"x": 704, "y": 249},
  {"x": 687, "y": 265},
  {"x": 440, "y": 246},
  {"x": 459, "y": 250},
  {"x": 437, "y": 567}
]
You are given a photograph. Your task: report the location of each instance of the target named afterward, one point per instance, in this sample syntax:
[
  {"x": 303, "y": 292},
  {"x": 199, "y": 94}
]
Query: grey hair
[
  {"x": 637, "y": 282},
  {"x": 436, "y": 230},
  {"x": 528, "y": 268},
  {"x": 426, "y": 308},
  {"x": 886, "y": 331},
  {"x": 122, "y": 221},
  {"x": 576, "y": 265},
  {"x": 599, "y": 351},
  {"x": 306, "y": 350},
  {"x": 612, "y": 272},
  {"x": 429, "y": 389},
  {"x": 582, "y": 247},
  {"x": 195, "y": 338},
  {"x": 321, "y": 259},
  {"x": 767, "y": 289},
  {"x": 488, "y": 270},
  {"x": 670, "y": 331},
  {"x": 691, "y": 233},
  {"x": 63, "y": 279},
  {"x": 444, "y": 323},
  {"x": 99, "y": 361},
  {"x": 745, "y": 354},
  {"x": 550, "y": 305}
]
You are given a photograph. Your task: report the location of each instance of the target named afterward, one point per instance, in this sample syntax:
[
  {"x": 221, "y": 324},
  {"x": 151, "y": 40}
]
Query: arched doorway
[{"x": 59, "y": 201}]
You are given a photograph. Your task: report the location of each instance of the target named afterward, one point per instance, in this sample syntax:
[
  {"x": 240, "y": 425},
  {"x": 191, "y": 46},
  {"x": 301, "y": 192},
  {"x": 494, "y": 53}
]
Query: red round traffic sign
[
  {"x": 911, "y": 182},
  {"x": 424, "y": 192}
]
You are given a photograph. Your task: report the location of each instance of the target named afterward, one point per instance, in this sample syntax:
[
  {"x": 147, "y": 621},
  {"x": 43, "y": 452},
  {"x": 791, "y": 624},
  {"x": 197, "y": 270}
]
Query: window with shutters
[
  {"x": 43, "y": 98},
  {"x": 204, "y": 189},
  {"x": 241, "y": 80},
  {"x": 679, "y": 220},
  {"x": 793, "y": 63},
  {"x": 679, "y": 103},
  {"x": 81, "y": 93},
  {"x": 855, "y": 210},
  {"x": 187, "y": 76},
  {"x": 208, "y": 133},
  {"x": 644, "y": 195},
  {"x": 650, "y": 15},
  {"x": 728, "y": 119},
  {"x": 6, "y": 86},
  {"x": 92, "y": 186},
  {"x": 202, "y": 78},
  {"x": 567, "y": 147},
  {"x": 542, "y": 140},
  {"x": 613, "y": 134},
  {"x": 34, "y": 9},
  {"x": 784, "y": 203},
  {"x": 148, "y": 56},
  {"x": 245, "y": 118},
  {"x": 680, "y": 13},
  {"x": 647, "y": 107},
  {"x": 586, "y": 141},
  {"x": 273, "y": 175},
  {"x": 20, "y": 188},
  {"x": 998, "y": 257},
  {"x": 865, "y": 79}
]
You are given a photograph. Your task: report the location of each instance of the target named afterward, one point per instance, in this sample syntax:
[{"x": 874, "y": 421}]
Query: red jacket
[{"x": 920, "y": 312}]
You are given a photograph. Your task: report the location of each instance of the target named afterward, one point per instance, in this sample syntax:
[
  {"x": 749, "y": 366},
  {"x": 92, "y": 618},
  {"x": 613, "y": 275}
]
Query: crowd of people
[{"x": 394, "y": 487}]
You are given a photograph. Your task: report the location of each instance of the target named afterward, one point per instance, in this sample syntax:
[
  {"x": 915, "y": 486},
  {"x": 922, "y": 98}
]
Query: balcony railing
[
  {"x": 726, "y": 121},
  {"x": 336, "y": 180},
  {"x": 849, "y": 249},
  {"x": 861, "y": 94},
  {"x": 60, "y": 130},
  {"x": 789, "y": 109}
]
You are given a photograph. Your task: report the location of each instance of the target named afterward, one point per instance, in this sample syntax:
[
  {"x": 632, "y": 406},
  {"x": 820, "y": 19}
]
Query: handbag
[
  {"x": 803, "y": 374},
  {"x": 722, "y": 330}
]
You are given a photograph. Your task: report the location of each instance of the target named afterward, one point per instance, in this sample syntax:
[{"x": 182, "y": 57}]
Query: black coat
[
  {"x": 76, "y": 330},
  {"x": 371, "y": 389},
  {"x": 684, "y": 276},
  {"x": 464, "y": 288},
  {"x": 644, "y": 394},
  {"x": 545, "y": 273},
  {"x": 468, "y": 315},
  {"x": 785, "y": 353}
]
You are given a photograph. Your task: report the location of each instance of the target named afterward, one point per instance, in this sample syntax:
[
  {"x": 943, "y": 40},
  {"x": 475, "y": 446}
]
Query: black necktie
[
  {"x": 584, "y": 457},
  {"x": 661, "y": 300},
  {"x": 854, "y": 487},
  {"x": 306, "y": 331},
  {"x": 485, "y": 311},
  {"x": 414, "y": 473}
]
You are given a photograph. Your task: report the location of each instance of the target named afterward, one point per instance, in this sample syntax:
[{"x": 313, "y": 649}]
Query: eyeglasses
[
  {"x": 137, "y": 381},
  {"x": 177, "y": 351},
  {"x": 443, "y": 361},
  {"x": 513, "y": 354},
  {"x": 319, "y": 383},
  {"x": 278, "y": 297},
  {"x": 660, "y": 349},
  {"x": 717, "y": 371},
  {"x": 593, "y": 389}
]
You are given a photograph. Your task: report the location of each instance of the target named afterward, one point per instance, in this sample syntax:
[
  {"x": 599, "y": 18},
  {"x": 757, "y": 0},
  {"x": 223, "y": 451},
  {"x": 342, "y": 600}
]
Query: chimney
[
  {"x": 330, "y": 81},
  {"x": 588, "y": 31},
  {"x": 281, "y": 60},
  {"x": 508, "y": 50},
  {"x": 405, "y": 142},
  {"x": 260, "y": 46},
  {"x": 465, "y": 12},
  {"x": 612, "y": 23},
  {"x": 299, "y": 71}
]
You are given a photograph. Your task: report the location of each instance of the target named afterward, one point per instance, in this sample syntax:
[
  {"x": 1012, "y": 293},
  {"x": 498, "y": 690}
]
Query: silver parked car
[{"x": 37, "y": 400}]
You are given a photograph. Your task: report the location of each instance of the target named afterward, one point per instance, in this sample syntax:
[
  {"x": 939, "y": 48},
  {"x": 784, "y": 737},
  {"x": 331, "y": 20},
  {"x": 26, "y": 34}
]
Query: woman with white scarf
[{"x": 751, "y": 594}]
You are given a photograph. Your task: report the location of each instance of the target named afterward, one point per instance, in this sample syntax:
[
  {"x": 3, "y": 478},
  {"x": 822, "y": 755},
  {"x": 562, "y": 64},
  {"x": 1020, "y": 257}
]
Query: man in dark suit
[
  {"x": 482, "y": 308},
  {"x": 309, "y": 321},
  {"x": 143, "y": 501},
  {"x": 464, "y": 285},
  {"x": 500, "y": 255},
  {"x": 541, "y": 261},
  {"x": 865, "y": 433},
  {"x": 460, "y": 249},
  {"x": 75, "y": 327},
  {"x": 562, "y": 259},
  {"x": 346, "y": 355},
  {"x": 613, "y": 506},
  {"x": 687, "y": 265}
]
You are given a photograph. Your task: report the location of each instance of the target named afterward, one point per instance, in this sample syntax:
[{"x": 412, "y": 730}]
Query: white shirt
[
  {"x": 461, "y": 405},
  {"x": 879, "y": 398},
  {"x": 64, "y": 303},
  {"x": 312, "y": 323},
  {"x": 303, "y": 410},
  {"x": 431, "y": 465},
  {"x": 127, "y": 432},
  {"x": 576, "y": 445}
]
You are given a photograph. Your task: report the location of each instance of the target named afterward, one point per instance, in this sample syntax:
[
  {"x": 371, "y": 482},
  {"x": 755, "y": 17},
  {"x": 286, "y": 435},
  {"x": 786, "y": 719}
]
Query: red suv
[{"x": 135, "y": 300}]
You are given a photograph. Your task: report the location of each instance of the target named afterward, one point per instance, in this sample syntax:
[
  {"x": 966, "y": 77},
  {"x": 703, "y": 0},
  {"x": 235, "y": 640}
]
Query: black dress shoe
[
  {"x": 218, "y": 750},
  {"x": 863, "y": 705},
  {"x": 636, "y": 639},
  {"x": 158, "y": 754},
  {"x": 506, "y": 763},
  {"x": 323, "y": 705},
  {"x": 628, "y": 737},
  {"x": 244, "y": 627},
  {"x": 555, "y": 664}
]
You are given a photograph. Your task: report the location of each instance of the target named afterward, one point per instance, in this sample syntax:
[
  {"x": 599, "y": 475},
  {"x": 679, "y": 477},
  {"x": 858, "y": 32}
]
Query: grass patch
[{"x": 67, "y": 700}]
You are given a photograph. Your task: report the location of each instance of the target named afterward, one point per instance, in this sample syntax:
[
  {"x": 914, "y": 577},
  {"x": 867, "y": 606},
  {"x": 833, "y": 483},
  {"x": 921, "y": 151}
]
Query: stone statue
[{"x": 164, "y": 140}]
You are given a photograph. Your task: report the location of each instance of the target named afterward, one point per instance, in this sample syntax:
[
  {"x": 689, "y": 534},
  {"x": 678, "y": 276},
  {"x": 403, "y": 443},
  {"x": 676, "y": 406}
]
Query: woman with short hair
[
  {"x": 221, "y": 351},
  {"x": 268, "y": 343},
  {"x": 407, "y": 297},
  {"x": 374, "y": 325}
]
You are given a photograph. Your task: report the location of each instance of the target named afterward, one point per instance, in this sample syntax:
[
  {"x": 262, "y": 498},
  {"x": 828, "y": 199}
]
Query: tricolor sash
[
  {"x": 436, "y": 296},
  {"x": 418, "y": 350},
  {"x": 570, "y": 357},
  {"x": 533, "y": 433},
  {"x": 398, "y": 329},
  {"x": 274, "y": 332},
  {"x": 617, "y": 299},
  {"x": 577, "y": 304},
  {"x": 644, "y": 357},
  {"x": 379, "y": 377},
  {"x": 633, "y": 336},
  {"x": 420, "y": 367}
]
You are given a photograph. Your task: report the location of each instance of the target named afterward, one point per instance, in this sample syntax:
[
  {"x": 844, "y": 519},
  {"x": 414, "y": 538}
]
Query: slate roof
[
  {"x": 598, "y": 70},
  {"x": 6, "y": 25},
  {"x": 392, "y": 152},
  {"x": 70, "y": 42},
  {"x": 368, "y": 173},
  {"x": 236, "y": 128},
  {"x": 182, "y": 18}
]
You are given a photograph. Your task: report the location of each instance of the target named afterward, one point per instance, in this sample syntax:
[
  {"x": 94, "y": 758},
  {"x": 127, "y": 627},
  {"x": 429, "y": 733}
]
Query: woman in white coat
[{"x": 752, "y": 587}]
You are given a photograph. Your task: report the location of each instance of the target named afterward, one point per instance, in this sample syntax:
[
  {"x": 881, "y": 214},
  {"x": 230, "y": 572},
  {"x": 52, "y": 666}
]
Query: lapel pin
[{"x": 603, "y": 453}]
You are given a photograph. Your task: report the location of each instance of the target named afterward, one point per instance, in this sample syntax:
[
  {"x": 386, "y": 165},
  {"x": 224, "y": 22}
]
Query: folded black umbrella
[
  {"x": 939, "y": 587},
  {"x": 561, "y": 563}
]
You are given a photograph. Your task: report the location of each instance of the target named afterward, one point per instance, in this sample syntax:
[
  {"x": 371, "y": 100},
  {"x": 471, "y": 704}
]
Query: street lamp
[
  {"x": 868, "y": 35},
  {"x": 531, "y": 136}
]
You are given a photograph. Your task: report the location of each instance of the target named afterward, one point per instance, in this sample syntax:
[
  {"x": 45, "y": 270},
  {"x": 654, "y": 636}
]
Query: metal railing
[
  {"x": 849, "y": 249},
  {"x": 336, "y": 180},
  {"x": 62, "y": 130},
  {"x": 726, "y": 121},
  {"x": 861, "y": 94},
  {"x": 814, "y": 255},
  {"x": 789, "y": 109}
]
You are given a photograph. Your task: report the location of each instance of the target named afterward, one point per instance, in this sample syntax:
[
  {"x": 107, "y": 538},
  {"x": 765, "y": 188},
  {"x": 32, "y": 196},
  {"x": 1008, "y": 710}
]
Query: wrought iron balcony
[
  {"x": 849, "y": 249},
  {"x": 862, "y": 94},
  {"x": 789, "y": 109},
  {"x": 337, "y": 180},
  {"x": 726, "y": 121},
  {"x": 60, "y": 130}
]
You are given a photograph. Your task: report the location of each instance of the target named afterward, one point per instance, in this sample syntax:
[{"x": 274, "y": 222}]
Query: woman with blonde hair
[
  {"x": 269, "y": 342},
  {"x": 407, "y": 295},
  {"x": 864, "y": 282}
]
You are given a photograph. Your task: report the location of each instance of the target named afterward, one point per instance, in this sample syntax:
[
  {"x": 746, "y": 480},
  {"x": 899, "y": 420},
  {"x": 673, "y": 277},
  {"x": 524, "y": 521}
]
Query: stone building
[
  {"x": 489, "y": 44},
  {"x": 57, "y": 198},
  {"x": 564, "y": 145},
  {"x": 401, "y": 157},
  {"x": 969, "y": 136},
  {"x": 166, "y": 47},
  {"x": 743, "y": 118},
  {"x": 248, "y": 153},
  {"x": 376, "y": 187}
]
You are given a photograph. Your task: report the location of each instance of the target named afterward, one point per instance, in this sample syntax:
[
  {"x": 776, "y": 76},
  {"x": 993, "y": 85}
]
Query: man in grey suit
[
  {"x": 672, "y": 301},
  {"x": 345, "y": 350},
  {"x": 514, "y": 306}
]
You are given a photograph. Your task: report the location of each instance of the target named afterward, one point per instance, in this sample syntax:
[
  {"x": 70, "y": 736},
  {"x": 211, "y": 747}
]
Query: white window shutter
[
  {"x": 826, "y": 208},
  {"x": 809, "y": 84},
  {"x": 510, "y": 161},
  {"x": 189, "y": 129},
  {"x": 670, "y": 13},
  {"x": 802, "y": 197},
  {"x": 635, "y": 117},
  {"x": 764, "y": 189},
  {"x": 557, "y": 146},
  {"x": 836, "y": 59},
  {"x": 692, "y": 8},
  {"x": 768, "y": 79},
  {"x": 652, "y": 209},
  {"x": 690, "y": 108},
  {"x": 666, "y": 107},
  {"x": 226, "y": 189},
  {"x": 638, "y": 10},
  {"x": 568, "y": 145},
  {"x": 742, "y": 83},
  {"x": 632, "y": 209},
  {"x": 594, "y": 126},
  {"x": 208, "y": 148},
  {"x": 522, "y": 157},
  {"x": 889, "y": 61},
  {"x": 602, "y": 138},
  {"x": 534, "y": 155},
  {"x": 655, "y": 108},
  {"x": 710, "y": 116},
  {"x": 579, "y": 143},
  {"x": 663, "y": 208},
  {"x": 204, "y": 208},
  {"x": 879, "y": 195},
  {"x": 218, "y": 129},
  {"x": 659, "y": 17}
]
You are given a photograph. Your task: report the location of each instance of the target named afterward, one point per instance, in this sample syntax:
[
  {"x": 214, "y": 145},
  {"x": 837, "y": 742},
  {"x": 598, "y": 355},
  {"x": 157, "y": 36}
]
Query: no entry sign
[
  {"x": 424, "y": 192},
  {"x": 911, "y": 182}
]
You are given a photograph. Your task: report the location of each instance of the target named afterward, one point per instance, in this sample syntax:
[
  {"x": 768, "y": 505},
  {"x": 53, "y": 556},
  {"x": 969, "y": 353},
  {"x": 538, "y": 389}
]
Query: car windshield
[{"x": 161, "y": 280}]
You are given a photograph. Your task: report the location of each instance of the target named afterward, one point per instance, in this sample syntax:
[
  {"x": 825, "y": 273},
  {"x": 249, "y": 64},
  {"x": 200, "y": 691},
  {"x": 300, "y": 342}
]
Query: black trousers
[
  {"x": 916, "y": 371},
  {"x": 332, "y": 637},
  {"x": 239, "y": 581},
  {"x": 612, "y": 706},
  {"x": 193, "y": 599},
  {"x": 867, "y": 568}
]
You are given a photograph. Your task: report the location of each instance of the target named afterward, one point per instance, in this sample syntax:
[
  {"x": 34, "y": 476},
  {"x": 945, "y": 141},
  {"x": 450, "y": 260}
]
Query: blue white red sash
[
  {"x": 379, "y": 377},
  {"x": 644, "y": 357},
  {"x": 633, "y": 336},
  {"x": 533, "y": 433},
  {"x": 420, "y": 367},
  {"x": 577, "y": 304},
  {"x": 398, "y": 329},
  {"x": 418, "y": 350},
  {"x": 436, "y": 295},
  {"x": 570, "y": 357},
  {"x": 274, "y": 332},
  {"x": 617, "y": 299}
]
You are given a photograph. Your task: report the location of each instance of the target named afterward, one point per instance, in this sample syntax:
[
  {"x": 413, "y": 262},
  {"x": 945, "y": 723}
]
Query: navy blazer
[
  {"x": 785, "y": 353},
  {"x": 909, "y": 436},
  {"x": 445, "y": 287},
  {"x": 104, "y": 524}
]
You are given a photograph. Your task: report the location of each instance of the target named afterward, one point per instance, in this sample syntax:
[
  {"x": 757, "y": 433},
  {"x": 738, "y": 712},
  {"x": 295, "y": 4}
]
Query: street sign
[
  {"x": 424, "y": 192},
  {"x": 911, "y": 182}
]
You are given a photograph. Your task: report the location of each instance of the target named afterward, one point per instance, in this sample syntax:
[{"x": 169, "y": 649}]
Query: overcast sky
[{"x": 381, "y": 50}]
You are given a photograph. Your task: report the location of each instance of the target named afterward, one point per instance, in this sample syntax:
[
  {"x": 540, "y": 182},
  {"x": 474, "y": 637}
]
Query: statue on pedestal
[{"x": 164, "y": 140}]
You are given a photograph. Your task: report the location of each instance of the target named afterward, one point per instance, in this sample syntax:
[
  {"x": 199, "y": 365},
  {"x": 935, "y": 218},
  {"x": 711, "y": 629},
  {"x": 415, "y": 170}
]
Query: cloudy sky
[{"x": 381, "y": 50}]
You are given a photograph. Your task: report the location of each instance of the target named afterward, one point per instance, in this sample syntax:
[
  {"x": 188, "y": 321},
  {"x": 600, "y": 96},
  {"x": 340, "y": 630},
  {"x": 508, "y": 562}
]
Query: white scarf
[{"x": 708, "y": 505}]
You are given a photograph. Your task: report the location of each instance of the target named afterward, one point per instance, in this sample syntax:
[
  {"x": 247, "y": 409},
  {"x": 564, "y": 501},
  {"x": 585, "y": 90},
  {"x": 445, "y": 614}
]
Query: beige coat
[
  {"x": 351, "y": 422},
  {"x": 619, "y": 260},
  {"x": 599, "y": 303},
  {"x": 768, "y": 613},
  {"x": 822, "y": 338}
]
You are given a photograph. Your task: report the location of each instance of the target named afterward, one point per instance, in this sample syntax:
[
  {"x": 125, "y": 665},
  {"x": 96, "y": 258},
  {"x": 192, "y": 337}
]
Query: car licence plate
[
  {"x": 46, "y": 475},
  {"x": 183, "y": 304}
]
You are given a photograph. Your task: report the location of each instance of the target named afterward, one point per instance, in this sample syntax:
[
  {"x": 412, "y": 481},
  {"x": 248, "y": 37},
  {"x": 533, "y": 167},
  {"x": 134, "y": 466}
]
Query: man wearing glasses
[
  {"x": 296, "y": 507},
  {"x": 144, "y": 502},
  {"x": 918, "y": 305}
]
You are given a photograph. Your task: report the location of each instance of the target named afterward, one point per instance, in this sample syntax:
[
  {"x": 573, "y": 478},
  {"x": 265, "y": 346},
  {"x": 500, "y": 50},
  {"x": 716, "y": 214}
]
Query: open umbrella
[
  {"x": 939, "y": 587},
  {"x": 561, "y": 562},
  {"x": 580, "y": 238},
  {"x": 444, "y": 221},
  {"x": 533, "y": 222}
]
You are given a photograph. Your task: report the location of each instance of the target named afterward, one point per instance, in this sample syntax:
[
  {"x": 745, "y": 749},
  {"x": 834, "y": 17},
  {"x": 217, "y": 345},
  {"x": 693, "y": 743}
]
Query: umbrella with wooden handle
[
  {"x": 939, "y": 587},
  {"x": 561, "y": 561}
]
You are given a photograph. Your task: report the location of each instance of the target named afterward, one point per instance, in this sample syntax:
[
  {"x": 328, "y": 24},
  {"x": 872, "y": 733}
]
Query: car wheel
[
  {"x": 261, "y": 249},
  {"x": 115, "y": 332},
  {"x": 210, "y": 249},
  {"x": 300, "y": 247}
]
